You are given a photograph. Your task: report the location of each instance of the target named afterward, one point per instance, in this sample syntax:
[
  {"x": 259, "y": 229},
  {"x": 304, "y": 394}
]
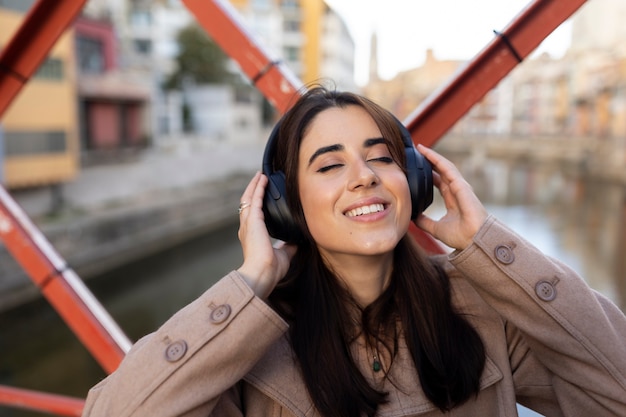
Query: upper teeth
[{"x": 372, "y": 208}]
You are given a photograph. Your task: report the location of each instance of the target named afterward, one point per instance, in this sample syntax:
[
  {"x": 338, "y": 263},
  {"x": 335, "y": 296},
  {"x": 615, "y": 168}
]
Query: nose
[{"x": 362, "y": 175}]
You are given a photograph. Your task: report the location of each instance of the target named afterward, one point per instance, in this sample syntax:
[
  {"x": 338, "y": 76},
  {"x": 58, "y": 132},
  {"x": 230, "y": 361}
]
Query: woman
[{"x": 352, "y": 319}]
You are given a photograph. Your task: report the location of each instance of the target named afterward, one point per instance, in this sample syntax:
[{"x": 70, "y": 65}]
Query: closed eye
[
  {"x": 385, "y": 159},
  {"x": 328, "y": 168}
]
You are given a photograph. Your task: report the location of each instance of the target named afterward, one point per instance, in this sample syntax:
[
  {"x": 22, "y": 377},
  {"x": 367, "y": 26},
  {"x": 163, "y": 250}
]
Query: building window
[
  {"x": 140, "y": 14},
  {"x": 243, "y": 95},
  {"x": 289, "y": 4},
  {"x": 35, "y": 143},
  {"x": 291, "y": 53},
  {"x": 291, "y": 26},
  {"x": 51, "y": 69},
  {"x": 90, "y": 55},
  {"x": 17, "y": 5},
  {"x": 261, "y": 4},
  {"x": 143, "y": 46}
]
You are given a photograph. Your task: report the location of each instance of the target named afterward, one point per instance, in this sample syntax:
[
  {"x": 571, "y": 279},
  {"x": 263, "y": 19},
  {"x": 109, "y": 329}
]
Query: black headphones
[{"x": 278, "y": 218}]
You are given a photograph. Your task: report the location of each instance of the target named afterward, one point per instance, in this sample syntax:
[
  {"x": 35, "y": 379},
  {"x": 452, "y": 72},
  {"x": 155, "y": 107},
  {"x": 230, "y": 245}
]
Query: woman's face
[{"x": 355, "y": 197}]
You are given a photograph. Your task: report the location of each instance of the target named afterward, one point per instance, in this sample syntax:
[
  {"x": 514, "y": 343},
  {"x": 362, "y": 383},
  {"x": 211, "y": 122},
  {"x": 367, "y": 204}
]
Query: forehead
[{"x": 338, "y": 125}]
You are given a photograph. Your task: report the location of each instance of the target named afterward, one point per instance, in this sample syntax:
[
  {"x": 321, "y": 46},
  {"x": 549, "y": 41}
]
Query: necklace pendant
[{"x": 376, "y": 365}]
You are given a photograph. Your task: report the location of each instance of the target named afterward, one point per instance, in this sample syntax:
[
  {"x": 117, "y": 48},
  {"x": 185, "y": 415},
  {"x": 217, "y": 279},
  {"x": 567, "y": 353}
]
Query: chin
[{"x": 380, "y": 247}]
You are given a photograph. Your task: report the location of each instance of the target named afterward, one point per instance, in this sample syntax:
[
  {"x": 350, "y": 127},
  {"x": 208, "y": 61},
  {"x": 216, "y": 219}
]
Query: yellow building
[
  {"x": 313, "y": 11},
  {"x": 39, "y": 129}
]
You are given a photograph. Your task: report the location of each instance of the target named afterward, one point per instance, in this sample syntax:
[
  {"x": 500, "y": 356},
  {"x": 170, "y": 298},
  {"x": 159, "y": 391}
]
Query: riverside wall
[
  {"x": 112, "y": 215},
  {"x": 600, "y": 159}
]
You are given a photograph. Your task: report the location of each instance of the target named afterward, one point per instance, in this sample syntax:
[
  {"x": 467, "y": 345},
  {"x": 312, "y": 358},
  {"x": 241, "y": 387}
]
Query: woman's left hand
[{"x": 465, "y": 214}]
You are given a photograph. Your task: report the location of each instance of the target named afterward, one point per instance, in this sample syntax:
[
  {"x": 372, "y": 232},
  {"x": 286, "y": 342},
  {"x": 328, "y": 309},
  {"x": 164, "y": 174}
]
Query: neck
[{"x": 365, "y": 277}]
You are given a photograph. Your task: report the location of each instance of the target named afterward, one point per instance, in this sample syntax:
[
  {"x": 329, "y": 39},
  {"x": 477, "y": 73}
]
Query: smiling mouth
[{"x": 359, "y": 211}]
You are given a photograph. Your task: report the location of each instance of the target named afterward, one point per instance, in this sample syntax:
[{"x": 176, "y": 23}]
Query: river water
[{"x": 580, "y": 223}]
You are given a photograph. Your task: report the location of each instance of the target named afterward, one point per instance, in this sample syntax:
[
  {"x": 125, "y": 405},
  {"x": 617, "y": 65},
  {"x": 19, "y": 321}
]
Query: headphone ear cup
[
  {"x": 419, "y": 174},
  {"x": 278, "y": 219}
]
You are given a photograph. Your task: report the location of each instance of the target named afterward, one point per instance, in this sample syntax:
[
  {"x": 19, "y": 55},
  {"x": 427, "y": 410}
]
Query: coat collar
[{"x": 277, "y": 376}]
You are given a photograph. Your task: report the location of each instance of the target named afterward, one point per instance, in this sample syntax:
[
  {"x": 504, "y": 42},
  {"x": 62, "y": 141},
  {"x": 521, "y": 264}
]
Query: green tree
[{"x": 199, "y": 60}]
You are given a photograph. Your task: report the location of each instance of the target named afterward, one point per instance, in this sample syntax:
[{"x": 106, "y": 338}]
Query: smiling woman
[{"x": 350, "y": 318}]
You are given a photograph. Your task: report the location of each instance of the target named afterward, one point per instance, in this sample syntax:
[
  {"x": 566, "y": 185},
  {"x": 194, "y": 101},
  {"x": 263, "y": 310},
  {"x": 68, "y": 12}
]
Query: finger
[
  {"x": 425, "y": 223},
  {"x": 446, "y": 176},
  {"x": 444, "y": 190},
  {"x": 247, "y": 193},
  {"x": 246, "y": 200},
  {"x": 446, "y": 169},
  {"x": 259, "y": 191}
]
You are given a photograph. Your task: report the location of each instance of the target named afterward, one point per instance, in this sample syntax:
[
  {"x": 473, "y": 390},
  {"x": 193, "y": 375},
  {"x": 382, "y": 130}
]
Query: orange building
[{"x": 39, "y": 129}]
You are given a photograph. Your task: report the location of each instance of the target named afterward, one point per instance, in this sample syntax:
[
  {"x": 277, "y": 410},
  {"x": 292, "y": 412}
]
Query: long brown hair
[{"x": 320, "y": 309}]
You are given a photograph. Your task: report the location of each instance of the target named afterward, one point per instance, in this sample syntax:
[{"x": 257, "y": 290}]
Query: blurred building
[
  {"x": 598, "y": 78},
  {"x": 307, "y": 34},
  {"x": 39, "y": 129},
  {"x": 582, "y": 93},
  {"x": 404, "y": 92},
  {"x": 145, "y": 38},
  {"x": 112, "y": 102},
  {"x": 147, "y": 33},
  {"x": 311, "y": 38}
]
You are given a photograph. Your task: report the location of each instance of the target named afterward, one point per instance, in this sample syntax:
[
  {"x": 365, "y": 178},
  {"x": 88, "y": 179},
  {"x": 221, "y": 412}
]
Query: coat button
[
  {"x": 504, "y": 254},
  {"x": 545, "y": 291},
  {"x": 220, "y": 313},
  {"x": 175, "y": 350}
]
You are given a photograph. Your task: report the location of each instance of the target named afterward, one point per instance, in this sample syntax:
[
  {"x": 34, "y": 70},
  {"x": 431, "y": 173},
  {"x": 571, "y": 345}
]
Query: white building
[{"x": 337, "y": 48}]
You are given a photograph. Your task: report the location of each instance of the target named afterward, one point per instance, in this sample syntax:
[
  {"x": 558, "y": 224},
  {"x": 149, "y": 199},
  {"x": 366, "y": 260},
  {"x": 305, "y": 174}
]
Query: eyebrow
[
  {"x": 323, "y": 150},
  {"x": 368, "y": 143}
]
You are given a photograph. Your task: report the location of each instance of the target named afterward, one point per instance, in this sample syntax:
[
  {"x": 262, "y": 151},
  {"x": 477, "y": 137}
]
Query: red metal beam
[
  {"x": 37, "y": 401},
  {"x": 43, "y": 25},
  {"x": 442, "y": 110},
  {"x": 41, "y": 28},
  {"x": 272, "y": 77},
  {"x": 61, "y": 286}
]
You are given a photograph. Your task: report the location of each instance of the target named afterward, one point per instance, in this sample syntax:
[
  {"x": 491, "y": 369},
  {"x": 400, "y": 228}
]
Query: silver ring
[{"x": 243, "y": 206}]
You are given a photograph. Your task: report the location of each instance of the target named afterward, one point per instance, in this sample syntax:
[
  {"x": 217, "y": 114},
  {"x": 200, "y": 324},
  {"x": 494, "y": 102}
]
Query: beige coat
[{"x": 552, "y": 344}]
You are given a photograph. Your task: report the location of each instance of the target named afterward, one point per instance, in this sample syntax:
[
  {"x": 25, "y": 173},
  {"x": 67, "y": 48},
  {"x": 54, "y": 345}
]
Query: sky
[{"x": 453, "y": 29}]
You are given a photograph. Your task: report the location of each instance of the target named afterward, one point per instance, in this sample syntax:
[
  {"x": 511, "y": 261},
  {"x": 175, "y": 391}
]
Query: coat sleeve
[
  {"x": 184, "y": 367},
  {"x": 570, "y": 337}
]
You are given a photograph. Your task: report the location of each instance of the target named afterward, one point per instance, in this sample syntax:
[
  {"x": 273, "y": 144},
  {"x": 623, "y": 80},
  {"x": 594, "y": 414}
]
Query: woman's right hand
[
  {"x": 465, "y": 214},
  {"x": 263, "y": 264}
]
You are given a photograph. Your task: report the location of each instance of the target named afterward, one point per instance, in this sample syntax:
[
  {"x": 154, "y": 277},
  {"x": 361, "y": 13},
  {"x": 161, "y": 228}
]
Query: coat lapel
[{"x": 277, "y": 376}]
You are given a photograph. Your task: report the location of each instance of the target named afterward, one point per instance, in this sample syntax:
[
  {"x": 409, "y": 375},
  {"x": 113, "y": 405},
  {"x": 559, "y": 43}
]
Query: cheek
[
  {"x": 401, "y": 190},
  {"x": 318, "y": 203}
]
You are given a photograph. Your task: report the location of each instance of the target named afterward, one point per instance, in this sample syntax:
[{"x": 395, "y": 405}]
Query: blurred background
[{"x": 131, "y": 145}]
